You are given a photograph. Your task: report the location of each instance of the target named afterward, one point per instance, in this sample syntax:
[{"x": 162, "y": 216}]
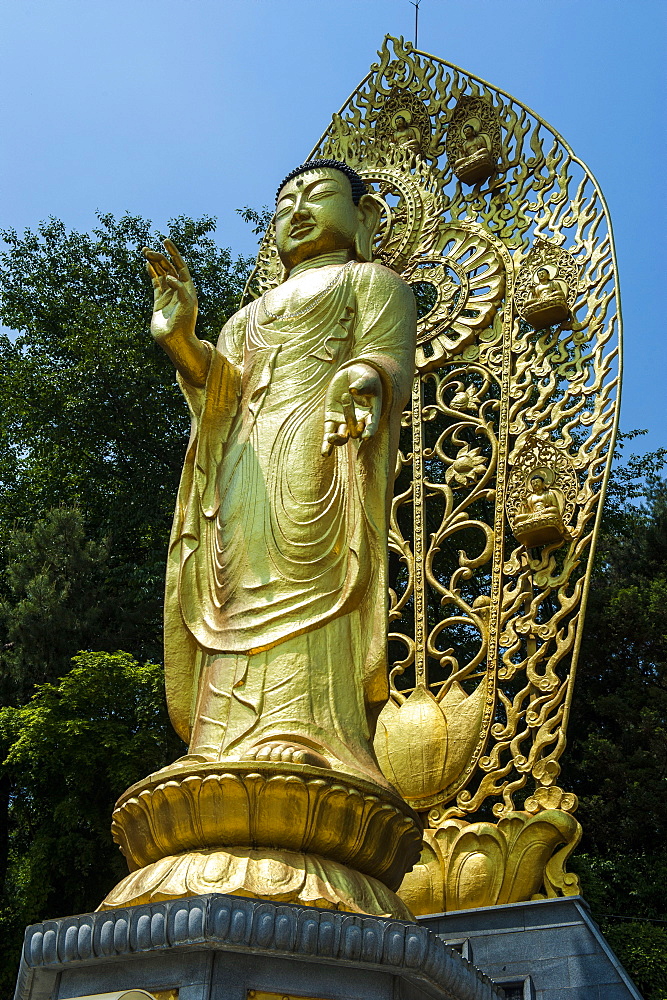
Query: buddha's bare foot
[
  {"x": 194, "y": 758},
  {"x": 294, "y": 753}
]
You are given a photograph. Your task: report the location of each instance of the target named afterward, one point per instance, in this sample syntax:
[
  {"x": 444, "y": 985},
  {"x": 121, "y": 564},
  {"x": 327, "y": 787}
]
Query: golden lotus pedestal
[
  {"x": 546, "y": 311},
  {"x": 476, "y": 167},
  {"x": 290, "y": 833},
  {"x": 540, "y": 530}
]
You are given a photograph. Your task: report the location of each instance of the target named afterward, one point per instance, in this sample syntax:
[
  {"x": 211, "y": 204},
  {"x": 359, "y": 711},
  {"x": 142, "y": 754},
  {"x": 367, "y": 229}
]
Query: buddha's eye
[{"x": 319, "y": 193}]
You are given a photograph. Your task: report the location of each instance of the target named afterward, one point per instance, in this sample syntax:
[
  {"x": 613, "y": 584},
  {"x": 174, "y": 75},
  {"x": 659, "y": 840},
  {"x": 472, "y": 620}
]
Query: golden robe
[{"x": 275, "y": 609}]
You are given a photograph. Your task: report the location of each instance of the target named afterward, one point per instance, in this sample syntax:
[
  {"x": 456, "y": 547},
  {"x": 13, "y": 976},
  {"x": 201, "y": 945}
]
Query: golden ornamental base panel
[
  {"x": 547, "y": 312},
  {"x": 275, "y": 805},
  {"x": 540, "y": 531},
  {"x": 279, "y": 876},
  {"x": 471, "y": 169},
  {"x": 465, "y": 865}
]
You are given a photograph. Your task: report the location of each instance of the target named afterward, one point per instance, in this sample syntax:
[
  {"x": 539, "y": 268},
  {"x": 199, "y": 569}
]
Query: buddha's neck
[{"x": 335, "y": 257}]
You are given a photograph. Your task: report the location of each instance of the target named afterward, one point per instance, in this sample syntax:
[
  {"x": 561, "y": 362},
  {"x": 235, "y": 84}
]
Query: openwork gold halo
[{"x": 479, "y": 623}]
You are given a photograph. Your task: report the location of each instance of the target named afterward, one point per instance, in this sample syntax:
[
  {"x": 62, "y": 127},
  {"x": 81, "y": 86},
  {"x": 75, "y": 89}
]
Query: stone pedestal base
[{"x": 226, "y": 948}]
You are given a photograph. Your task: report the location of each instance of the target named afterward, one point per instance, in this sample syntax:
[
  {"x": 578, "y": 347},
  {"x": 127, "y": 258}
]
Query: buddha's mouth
[{"x": 302, "y": 230}]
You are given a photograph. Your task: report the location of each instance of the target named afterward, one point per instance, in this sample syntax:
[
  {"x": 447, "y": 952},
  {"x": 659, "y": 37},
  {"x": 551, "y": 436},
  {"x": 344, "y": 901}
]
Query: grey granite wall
[{"x": 552, "y": 945}]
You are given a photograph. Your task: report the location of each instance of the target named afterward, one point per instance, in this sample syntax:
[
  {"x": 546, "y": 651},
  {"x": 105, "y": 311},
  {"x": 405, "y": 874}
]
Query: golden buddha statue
[
  {"x": 547, "y": 303},
  {"x": 476, "y": 162},
  {"x": 275, "y": 607},
  {"x": 276, "y": 593},
  {"x": 541, "y": 521}
]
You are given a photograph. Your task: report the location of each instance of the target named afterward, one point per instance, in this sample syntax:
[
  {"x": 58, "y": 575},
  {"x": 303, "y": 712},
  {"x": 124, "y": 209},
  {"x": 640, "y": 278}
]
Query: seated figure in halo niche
[
  {"x": 275, "y": 606},
  {"x": 547, "y": 303},
  {"x": 541, "y": 520},
  {"x": 406, "y": 135},
  {"x": 476, "y": 162}
]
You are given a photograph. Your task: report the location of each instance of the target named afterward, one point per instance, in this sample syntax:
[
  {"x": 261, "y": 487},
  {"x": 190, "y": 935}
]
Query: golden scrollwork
[{"x": 484, "y": 629}]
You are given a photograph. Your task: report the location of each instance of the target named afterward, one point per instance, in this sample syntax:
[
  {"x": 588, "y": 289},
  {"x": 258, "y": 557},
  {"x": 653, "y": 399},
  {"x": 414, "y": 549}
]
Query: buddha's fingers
[
  {"x": 161, "y": 263},
  {"x": 335, "y": 433},
  {"x": 182, "y": 267},
  {"x": 354, "y": 426},
  {"x": 372, "y": 418},
  {"x": 161, "y": 291},
  {"x": 180, "y": 287},
  {"x": 153, "y": 275}
]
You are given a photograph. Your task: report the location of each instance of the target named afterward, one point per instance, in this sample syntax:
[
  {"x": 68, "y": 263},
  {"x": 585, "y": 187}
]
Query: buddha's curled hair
[{"x": 358, "y": 186}]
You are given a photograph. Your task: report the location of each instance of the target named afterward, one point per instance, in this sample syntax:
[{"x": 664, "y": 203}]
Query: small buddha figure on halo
[
  {"x": 541, "y": 520},
  {"x": 407, "y": 135},
  {"x": 476, "y": 162},
  {"x": 548, "y": 300},
  {"x": 542, "y": 500}
]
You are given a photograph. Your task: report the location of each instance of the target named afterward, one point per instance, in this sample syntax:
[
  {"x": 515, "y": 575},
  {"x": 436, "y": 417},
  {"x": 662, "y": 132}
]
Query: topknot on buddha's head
[{"x": 356, "y": 183}]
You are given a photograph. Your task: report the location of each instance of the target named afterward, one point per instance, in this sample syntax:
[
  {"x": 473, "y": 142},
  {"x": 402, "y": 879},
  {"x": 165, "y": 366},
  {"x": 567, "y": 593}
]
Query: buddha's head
[
  {"x": 322, "y": 207},
  {"x": 538, "y": 484},
  {"x": 468, "y": 132},
  {"x": 542, "y": 275}
]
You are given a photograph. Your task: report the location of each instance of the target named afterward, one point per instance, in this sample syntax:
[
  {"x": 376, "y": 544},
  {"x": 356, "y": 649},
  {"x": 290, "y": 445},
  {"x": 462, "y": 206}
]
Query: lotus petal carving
[
  {"x": 309, "y": 809},
  {"x": 465, "y": 865},
  {"x": 423, "y": 745}
]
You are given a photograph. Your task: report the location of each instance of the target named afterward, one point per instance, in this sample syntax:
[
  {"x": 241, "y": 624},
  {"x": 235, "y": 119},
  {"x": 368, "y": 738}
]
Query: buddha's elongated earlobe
[
  {"x": 363, "y": 250},
  {"x": 369, "y": 222}
]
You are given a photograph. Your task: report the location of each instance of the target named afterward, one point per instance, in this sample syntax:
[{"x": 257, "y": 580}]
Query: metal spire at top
[{"x": 415, "y": 4}]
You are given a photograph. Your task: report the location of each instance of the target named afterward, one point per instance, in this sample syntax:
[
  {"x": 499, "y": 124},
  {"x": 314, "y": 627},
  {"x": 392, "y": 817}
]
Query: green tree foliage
[
  {"x": 616, "y": 760},
  {"x": 67, "y": 755},
  {"x": 55, "y": 601},
  {"x": 90, "y": 413}
]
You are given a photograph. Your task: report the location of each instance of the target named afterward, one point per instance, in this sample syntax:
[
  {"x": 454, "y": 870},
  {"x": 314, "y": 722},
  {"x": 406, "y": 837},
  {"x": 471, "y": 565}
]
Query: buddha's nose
[{"x": 300, "y": 210}]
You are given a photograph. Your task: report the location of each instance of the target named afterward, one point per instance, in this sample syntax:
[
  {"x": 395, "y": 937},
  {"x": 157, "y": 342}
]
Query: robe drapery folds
[{"x": 270, "y": 539}]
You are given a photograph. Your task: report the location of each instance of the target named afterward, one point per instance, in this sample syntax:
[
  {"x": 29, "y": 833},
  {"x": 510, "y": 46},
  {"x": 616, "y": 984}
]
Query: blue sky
[{"x": 193, "y": 107}]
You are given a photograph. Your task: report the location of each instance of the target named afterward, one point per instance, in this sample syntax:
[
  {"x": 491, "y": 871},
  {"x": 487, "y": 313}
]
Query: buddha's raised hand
[
  {"x": 174, "y": 295},
  {"x": 175, "y": 313},
  {"x": 353, "y": 406}
]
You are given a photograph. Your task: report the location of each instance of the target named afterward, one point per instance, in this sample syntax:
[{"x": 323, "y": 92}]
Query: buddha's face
[
  {"x": 543, "y": 275},
  {"x": 468, "y": 132},
  {"x": 538, "y": 485},
  {"x": 315, "y": 214}
]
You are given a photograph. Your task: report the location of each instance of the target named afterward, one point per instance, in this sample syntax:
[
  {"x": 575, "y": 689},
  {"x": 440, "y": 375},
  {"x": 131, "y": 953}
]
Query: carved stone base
[
  {"x": 212, "y": 947},
  {"x": 270, "y": 830},
  {"x": 279, "y": 876}
]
